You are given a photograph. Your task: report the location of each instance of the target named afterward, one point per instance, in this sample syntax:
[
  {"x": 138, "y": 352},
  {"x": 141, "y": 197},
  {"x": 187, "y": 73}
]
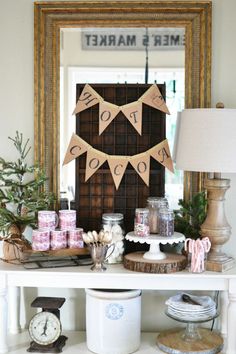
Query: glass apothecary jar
[
  {"x": 166, "y": 222},
  {"x": 141, "y": 222},
  {"x": 154, "y": 204},
  {"x": 114, "y": 223}
]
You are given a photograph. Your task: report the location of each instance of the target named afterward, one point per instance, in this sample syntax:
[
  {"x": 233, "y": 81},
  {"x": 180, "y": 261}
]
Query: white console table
[{"x": 12, "y": 277}]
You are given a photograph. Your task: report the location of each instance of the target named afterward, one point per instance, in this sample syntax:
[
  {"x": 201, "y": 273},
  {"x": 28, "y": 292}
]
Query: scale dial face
[{"x": 44, "y": 328}]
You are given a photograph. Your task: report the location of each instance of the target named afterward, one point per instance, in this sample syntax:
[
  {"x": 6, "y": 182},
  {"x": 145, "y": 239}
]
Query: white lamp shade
[{"x": 206, "y": 140}]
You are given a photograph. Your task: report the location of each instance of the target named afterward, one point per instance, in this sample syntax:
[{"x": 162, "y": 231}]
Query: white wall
[{"x": 16, "y": 112}]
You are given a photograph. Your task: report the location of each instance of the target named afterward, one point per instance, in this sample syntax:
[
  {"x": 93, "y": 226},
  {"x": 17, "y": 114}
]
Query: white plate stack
[{"x": 187, "y": 311}]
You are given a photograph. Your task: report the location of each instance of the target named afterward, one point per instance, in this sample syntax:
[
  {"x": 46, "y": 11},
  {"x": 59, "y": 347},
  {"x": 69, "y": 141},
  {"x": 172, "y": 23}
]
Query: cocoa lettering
[
  {"x": 94, "y": 163},
  {"x": 116, "y": 172},
  {"x": 74, "y": 148},
  {"x": 164, "y": 154},
  {"x": 141, "y": 167}
]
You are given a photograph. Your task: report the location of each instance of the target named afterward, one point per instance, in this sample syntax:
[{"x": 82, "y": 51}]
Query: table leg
[
  {"x": 224, "y": 302},
  {"x": 14, "y": 309},
  {"x": 231, "y": 342},
  {"x": 3, "y": 320}
]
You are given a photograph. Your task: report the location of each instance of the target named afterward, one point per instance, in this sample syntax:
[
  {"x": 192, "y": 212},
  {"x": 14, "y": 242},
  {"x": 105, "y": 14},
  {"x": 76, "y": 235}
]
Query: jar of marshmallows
[{"x": 113, "y": 222}]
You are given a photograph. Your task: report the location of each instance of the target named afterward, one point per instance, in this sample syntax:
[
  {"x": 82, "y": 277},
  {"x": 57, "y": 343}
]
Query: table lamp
[{"x": 206, "y": 142}]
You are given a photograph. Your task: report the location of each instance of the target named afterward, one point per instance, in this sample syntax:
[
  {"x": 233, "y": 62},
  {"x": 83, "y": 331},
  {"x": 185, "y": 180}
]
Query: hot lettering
[
  {"x": 105, "y": 116},
  {"x": 158, "y": 100},
  {"x": 133, "y": 115},
  {"x": 87, "y": 96}
]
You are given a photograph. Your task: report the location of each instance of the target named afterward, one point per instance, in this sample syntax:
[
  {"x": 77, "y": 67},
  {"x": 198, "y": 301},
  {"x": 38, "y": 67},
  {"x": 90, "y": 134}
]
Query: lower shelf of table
[
  {"x": 176, "y": 341},
  {"x": 76, "y": 343}
]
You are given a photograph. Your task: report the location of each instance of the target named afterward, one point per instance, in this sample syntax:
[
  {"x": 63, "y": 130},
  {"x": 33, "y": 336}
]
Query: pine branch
[
  {"x": 191, "y": 215},
  {"x": 18, "y": 142},
  {"x": 26, "y": 197}
]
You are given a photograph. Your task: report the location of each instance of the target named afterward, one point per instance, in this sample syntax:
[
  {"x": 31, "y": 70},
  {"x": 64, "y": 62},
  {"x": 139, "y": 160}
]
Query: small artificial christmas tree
[{"x": 21, "y": 195}]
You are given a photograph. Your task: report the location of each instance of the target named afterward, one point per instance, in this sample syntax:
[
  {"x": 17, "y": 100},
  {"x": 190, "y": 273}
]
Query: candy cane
[
  {"x": 206, "y": 244},
  {"x": 197, "y": 248},
  {"x": 196, "y": 259}
]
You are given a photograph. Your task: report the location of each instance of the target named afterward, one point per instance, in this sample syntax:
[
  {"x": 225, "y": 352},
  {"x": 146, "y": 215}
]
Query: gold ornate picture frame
[{"x": 51, "y": 16}]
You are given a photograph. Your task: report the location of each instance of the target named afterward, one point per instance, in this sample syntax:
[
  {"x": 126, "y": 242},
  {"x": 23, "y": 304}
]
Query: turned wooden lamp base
[
  {"x": 216, "y": 226},
  {"x": 216, "y": 266}
]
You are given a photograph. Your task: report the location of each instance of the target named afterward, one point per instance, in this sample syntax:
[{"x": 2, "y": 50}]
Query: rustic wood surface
[
  {"x": 220, "y": 266},
  {"x": 171, "y": 342},
  {"x": 173, "y": 263}
]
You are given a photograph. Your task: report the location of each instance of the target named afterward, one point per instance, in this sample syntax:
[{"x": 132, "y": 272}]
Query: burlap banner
[
  {"x": 133, "y": 112},
  {"x": 108, "y": 111},
  {"x": 152, "y": 97},
  {"x": 117, "y": 164},
  {"x": 77, "y": 147},
  {"x": 88, "y": 98},
  {"x": 94, "y": 160},
  {"x": 141, "y": 164},
  {"x": 161, "y": 153}
]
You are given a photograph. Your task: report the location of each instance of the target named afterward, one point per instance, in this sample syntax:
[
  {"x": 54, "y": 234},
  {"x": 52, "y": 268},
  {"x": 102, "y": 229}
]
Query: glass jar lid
[
  {"x": 112, "y": 217},
  {"x": 165, "y": 211},
  {"x": 154, "y": 199},
  {"x": 141, "y": 211},
  {"x": 157, "y": 200}
]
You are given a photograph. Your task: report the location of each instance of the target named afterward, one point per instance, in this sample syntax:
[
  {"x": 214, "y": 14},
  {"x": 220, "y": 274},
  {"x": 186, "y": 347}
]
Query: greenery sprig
[
  {"x": 191, "y": 215},
  {"x": 22, "y": 192}
]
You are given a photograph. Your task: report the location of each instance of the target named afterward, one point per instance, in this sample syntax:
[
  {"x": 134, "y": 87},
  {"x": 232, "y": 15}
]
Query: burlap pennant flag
[
  {"x": 117, "y": 166},
  {"x": 77, "y": 147},
  {"x": 161, "y": 153},
  {"x": 88, "y": 98},
  {"x": 133, "y": 112},
  {"x": 107, "y": 112},
  {"x": 94, "y": 160},
  {"x": 153, "y": 97},
  {"x": 141, "y": 164}
]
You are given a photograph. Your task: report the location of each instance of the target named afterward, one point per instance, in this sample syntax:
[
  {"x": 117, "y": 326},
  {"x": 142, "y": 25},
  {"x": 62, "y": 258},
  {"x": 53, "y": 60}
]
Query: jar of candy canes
[
  {"x": 197, "y": 253},
  {"x": 154, "y": 204},
  {"x": 113, "y": 222},
  {"x": 141, "y": 222},
  {"x": 166, "y": 222}
]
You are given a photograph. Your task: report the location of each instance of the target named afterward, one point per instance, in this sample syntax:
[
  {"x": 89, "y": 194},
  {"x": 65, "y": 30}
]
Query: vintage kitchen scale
[{"x": 45, "y": 327}]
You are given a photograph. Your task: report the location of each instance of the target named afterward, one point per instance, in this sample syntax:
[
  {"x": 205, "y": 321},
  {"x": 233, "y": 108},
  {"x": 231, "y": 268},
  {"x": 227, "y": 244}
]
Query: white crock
[{"x": 113, "y": 321}]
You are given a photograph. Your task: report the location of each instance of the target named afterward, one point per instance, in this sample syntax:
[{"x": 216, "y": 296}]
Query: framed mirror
[{"x": 51, "y": 17}]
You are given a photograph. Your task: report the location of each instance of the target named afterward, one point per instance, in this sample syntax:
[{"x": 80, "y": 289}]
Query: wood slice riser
[{"x": 172, "y": 263}]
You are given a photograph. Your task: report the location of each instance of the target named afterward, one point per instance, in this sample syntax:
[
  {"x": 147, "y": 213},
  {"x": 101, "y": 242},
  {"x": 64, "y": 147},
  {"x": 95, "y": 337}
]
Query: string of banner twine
[{"x": 197, "y": 248}]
